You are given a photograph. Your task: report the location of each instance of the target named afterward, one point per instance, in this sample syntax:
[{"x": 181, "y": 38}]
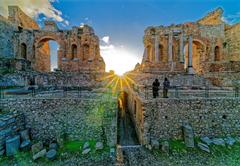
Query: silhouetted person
[
  {"x": 155, "y": 88},
  {"x": 166, "y": 86}
]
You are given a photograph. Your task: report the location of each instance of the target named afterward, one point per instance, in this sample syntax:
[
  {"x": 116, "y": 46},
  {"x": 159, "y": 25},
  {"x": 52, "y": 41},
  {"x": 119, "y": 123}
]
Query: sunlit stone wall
[
  {"x": 163, "y": 118},
  {"x": 78, "y": 119}
]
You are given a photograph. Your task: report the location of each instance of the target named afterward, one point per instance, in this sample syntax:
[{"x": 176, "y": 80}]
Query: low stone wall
[
  {"x": 53, "y": 79},
  {"x": 78, "y": 119},
  {"x": 163, "y": 118}
]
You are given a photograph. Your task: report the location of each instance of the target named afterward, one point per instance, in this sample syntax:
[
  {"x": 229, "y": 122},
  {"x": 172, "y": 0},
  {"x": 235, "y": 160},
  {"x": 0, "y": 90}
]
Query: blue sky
[{"x": 124, "y": 21}]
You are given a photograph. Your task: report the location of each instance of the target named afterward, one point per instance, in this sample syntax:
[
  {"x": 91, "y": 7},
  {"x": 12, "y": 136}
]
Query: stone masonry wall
[
  {"x": 10, "y": 125},
  {"x": 163, "y": 118},
  {"x": 79, "y": 119},
  {"x": 6, "y": 38}
]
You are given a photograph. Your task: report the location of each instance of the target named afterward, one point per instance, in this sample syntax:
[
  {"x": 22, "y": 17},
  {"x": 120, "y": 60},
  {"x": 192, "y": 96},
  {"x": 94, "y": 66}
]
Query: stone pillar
[
  {"x": 181, "y": 49},
  {"x": 170, "y": 45},
  {"x": 157, "y": 49},
  {"x": 190, "y": 68},
  {"x": 145, "y": 55}
]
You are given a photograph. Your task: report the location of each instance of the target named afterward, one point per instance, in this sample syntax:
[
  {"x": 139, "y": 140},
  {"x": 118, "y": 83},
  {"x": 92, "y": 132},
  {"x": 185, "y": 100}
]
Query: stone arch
[
  {"x": 74, "y": 51},
  {"x": 217, "y": 56},
  {"x": 42, "y": 52},
  {"x": 198, "y": 52},
  {"x": 24, "y": 51}
]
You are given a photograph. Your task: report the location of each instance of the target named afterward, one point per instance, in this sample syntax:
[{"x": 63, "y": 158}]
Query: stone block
[
  {"x": 230, "y": 141},
  {"x": 204, "y": 147},
  {"x": 12, "y": 145},
  {"x": 86, "y": 145},
  {"x": 24, "y": 135},
  {"x": 218, "y": 141},
  {"x": 99, "y": 146},
  {"x": 86, "y": 151},
  {"x": 25, "y": 145},
  {"x": 37, "y": 147},
  {"x": 53, "y": 146},
  {"x": 51, "y": 154},
  {"x": 155, "y": 144},
  {"x": 188, "y": 135},
  {"x": 39, "y": 154},
  {"x": 206, "y": 140}
]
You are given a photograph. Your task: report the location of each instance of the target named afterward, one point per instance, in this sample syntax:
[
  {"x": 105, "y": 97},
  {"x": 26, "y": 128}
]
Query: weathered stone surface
[
  {"x": 86, "y": 151},
  {"x": 25, "y": 145},
  {"x": 188, "y": 135},
  {"x": 206, "y": 140},
  {"x": 86, "y": 145},
  {"x": 51, "y": 154},
  {"x": 155, "y": 144},
  {"x": 53, "y": 146},
  {"x": 230, "y": 141},
  {"x": 30, "y": 44},
  {"x": 72, "y": 115},
  {"x": 99, "y": 146},
  {"x": 24, "y": 135},
  {"x": 218, "y": 141},
  {"x": 12, "y": 145},
  {"x": 204, "y": 147},
  {"x": 37, "y": 147},
  {"x": 39, "y": 154}
]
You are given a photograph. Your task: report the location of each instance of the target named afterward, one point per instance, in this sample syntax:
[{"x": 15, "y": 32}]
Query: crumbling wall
[
  {"x": 19, "y": 18},
  {"x": 6, "y": 38},
  {"x": 78, "y": 119},
  {"x": 233, "y": 42},
  {"x": 163, "y": 118}
]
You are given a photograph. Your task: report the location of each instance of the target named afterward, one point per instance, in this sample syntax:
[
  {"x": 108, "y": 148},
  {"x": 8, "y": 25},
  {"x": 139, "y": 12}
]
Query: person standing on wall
[
  {"x": 166, "y": 86},
  {"x": 155, "y": 88}
]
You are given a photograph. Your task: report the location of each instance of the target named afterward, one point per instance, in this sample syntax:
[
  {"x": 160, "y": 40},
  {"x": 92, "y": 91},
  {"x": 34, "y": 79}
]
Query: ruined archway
[
  {"x": 198, "y": 50},
  {"x": 43, "y": 54}
]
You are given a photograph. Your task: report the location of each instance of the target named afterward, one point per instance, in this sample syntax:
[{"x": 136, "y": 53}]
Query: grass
[
  {"x": 70, "y": 149},
  {"x": 219, "y": 156},
  {"x": 76, "y": 146}
]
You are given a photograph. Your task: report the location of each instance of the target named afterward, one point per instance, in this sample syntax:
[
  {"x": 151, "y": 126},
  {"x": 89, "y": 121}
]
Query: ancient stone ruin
[
  {"x": 23, "y": 40},
  {"x": 40, "y": 109}
]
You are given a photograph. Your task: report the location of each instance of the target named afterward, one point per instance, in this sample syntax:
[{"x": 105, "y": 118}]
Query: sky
[{"x": 120, "y": 24}]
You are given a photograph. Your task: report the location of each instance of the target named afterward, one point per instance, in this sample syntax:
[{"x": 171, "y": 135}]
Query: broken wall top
[
  {"x": 19, "y": 18},
  {"x": 212, "y": 18}
]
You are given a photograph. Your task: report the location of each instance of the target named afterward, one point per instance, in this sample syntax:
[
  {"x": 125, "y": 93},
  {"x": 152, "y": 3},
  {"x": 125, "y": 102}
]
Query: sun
[{"x": 120, "y": 60}]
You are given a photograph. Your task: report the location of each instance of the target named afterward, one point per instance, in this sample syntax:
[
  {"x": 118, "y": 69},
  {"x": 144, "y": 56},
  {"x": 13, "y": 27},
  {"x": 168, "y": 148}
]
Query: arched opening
[
  {"x": 149, "y": 53},
  {"x": 85, "y": 52},
  {"x": 74, "y": 51},
  {"x": 161, "y": 55},
  {"x": 217, "y": 53},
  {"x": 46, "y": 55},
  {"x": 197, "y": 53},
  {"x": 23, "y": 51}
]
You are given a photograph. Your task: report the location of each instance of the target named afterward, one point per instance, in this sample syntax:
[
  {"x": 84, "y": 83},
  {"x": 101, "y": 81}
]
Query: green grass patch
[{"x": 177, "y": 145}]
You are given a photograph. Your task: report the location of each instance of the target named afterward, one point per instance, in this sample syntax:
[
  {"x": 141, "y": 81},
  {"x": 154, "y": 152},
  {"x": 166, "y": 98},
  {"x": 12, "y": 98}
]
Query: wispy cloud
[
  {"x": 34, "y": 9},
  {"x": 232, "y": 18},
  {"x": 105, "y": 39}
]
